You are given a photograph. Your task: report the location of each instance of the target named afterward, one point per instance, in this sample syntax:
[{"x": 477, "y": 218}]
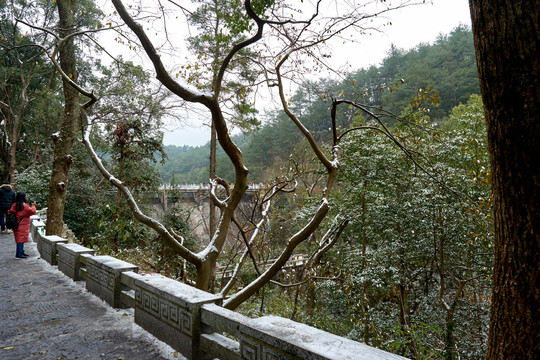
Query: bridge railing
[
  {"x": 192, "y": 321},
  {"x": 206, "y": 187}
]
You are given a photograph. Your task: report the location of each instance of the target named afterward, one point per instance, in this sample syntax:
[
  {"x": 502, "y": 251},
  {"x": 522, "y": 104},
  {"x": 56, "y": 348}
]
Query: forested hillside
[
  {"x": 444, "y": 71},
  {"x": 189, "y": 165}
]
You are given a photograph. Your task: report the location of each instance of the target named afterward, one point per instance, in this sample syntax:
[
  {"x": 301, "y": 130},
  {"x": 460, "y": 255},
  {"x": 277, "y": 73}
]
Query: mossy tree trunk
[{"x": 63, "y": 140}]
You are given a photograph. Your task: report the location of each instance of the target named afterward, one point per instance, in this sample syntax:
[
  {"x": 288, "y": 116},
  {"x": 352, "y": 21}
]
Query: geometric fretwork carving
[
  {"x": 255, "y": 349},
  {"x": 175, "y": 315}
]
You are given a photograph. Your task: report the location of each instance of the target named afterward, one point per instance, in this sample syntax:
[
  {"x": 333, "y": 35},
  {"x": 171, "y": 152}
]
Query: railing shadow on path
[{"x": 43, "y": 304}]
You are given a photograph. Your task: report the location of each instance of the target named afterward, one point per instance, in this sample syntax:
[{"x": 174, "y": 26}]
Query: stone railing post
[
  {"x": 47, "y": 247},
  {"x": 69, "y": 256},
  {"x": 37, "y": 226},
  {"x": 170, "y": 310},
  {"x": 103, "y": 278}
]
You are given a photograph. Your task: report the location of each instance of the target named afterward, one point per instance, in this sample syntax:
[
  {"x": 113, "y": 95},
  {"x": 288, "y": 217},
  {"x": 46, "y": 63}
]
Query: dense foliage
[
  {"x": 412, "y": 271},
  {"x": 419, "y": 247}
]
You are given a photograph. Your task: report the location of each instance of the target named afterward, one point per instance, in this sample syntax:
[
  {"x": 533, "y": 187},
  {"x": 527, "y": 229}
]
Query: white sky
[{"x": 410, "y": 27}]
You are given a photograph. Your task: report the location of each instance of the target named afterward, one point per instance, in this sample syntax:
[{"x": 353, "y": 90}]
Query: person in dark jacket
[{"x": 7, "y": 197}]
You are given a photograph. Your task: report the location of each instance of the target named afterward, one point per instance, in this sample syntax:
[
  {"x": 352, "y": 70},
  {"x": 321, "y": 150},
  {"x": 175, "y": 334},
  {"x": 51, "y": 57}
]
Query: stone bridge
[
  {"x": 194, "y": 199},
  {"x": 191, "y": 321}
]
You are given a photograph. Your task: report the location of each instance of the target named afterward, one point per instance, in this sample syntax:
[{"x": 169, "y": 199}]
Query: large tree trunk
[
  {"x": 17, "y": 122},
  {"x": 64, "y": 141},
  {"x": 14, "y": 140},
  {"x": 507, "y": 48},
  {"x": 13, "y": 123}
]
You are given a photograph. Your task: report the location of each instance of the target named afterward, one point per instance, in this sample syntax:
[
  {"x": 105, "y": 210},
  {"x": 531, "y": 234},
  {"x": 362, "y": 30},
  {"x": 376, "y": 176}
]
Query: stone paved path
[{"x": 45, "y": 315}]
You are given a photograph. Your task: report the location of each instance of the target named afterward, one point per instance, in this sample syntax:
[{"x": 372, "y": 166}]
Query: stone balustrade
[{"x": 190, "y": 320}]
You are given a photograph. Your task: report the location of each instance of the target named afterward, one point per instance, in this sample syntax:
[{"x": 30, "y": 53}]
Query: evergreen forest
[{"x": 392, "y": 209}]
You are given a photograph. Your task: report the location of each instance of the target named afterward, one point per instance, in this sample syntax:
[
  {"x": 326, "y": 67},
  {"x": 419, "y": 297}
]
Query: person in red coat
[{"x": 23, "y": 211}]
